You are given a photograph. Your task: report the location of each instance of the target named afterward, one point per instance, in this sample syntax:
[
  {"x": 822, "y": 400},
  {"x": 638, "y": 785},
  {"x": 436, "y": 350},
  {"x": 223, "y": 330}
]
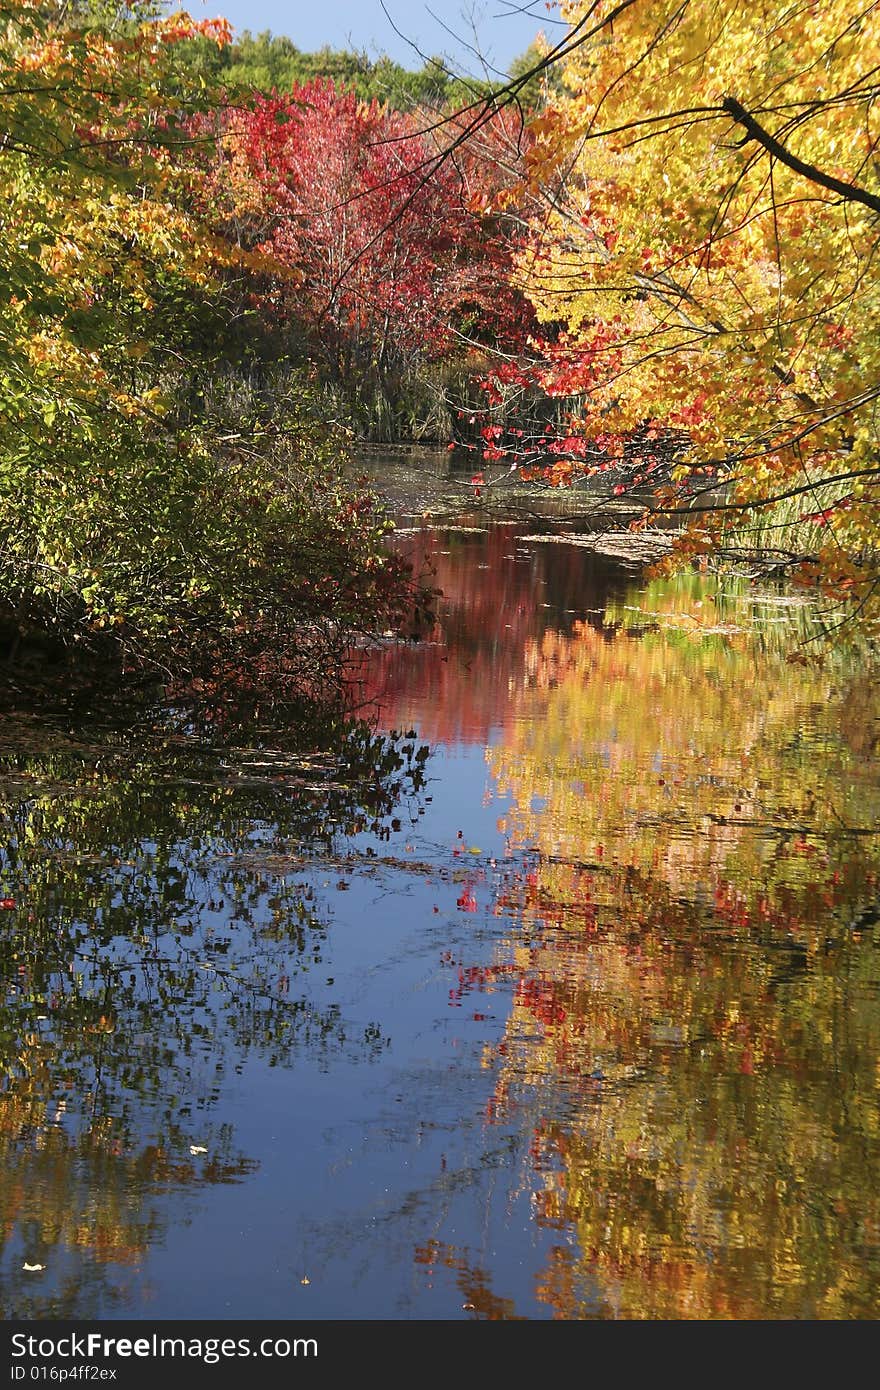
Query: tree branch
[{"x": 850, "y": 192}]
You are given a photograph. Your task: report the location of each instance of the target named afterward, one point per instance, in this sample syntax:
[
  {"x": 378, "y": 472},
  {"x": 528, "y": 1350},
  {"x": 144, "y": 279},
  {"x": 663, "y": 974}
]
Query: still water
[{"x": 557, "y": 998}]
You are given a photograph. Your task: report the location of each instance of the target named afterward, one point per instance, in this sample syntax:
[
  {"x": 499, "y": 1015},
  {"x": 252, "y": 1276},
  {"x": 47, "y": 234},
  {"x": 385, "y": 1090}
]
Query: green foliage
[
  {"x": 266, "y": 62},
  {"x": 535, "y": 92},
  {"x": 233, "y": 555},
  {"x": 139, "y": 518}
]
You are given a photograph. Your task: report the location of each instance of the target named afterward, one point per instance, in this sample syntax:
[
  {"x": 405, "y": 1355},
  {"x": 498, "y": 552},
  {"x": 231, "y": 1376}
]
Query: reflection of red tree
[{"x": 460, "y": 681}]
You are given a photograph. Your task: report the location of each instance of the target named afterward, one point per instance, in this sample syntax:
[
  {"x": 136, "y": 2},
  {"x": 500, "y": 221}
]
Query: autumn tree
[
  {"x": 703, "y": 266},
  {"x": 136, "y": 517},
  {"x": 393, "y": 259}
]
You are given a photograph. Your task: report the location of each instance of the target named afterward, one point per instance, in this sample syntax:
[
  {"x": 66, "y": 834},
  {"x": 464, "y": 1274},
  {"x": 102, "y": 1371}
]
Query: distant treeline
[{"x": 267, "y": 62}]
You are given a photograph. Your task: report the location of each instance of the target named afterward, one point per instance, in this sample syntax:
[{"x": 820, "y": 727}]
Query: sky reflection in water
[{"x": 585, "y": 1024}]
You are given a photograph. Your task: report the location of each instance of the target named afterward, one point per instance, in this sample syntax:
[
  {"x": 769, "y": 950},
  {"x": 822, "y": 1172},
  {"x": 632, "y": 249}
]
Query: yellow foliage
[
  {"x": 709, "y": 238},
  {"x": 92, "y": 214},
  {"x": 694, "y": 809}
]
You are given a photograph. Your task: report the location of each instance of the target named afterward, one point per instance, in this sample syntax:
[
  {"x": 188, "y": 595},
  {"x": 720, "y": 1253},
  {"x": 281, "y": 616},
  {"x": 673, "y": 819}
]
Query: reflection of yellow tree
[
  {"x": 695, "y": 1031},
  {"x": 695, "y": 758}
]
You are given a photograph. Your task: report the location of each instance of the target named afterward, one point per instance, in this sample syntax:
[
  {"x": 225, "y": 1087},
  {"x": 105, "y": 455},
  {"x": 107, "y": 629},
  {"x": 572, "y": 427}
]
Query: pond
[{"x": 558, "y": 996}]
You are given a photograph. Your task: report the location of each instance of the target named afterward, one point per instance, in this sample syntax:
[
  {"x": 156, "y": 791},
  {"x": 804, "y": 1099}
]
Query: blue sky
[{"x": 504, "y": 28}]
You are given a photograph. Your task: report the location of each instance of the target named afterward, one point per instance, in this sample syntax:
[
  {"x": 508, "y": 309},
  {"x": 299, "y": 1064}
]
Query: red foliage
[{"x": 394, "y": 255}]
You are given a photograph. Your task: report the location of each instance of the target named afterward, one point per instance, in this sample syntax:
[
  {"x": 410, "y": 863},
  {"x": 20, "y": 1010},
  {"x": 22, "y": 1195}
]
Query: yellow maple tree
[{"x": 704, "y": 263}]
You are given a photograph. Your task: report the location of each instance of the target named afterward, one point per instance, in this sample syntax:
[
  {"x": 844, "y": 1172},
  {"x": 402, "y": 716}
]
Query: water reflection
[
  {"x": 575, "y": 1018},
  {"x": 149, "y": 945},
  {"x": 498, "y": 595},
  {"x": 690, "y": 1053}
]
